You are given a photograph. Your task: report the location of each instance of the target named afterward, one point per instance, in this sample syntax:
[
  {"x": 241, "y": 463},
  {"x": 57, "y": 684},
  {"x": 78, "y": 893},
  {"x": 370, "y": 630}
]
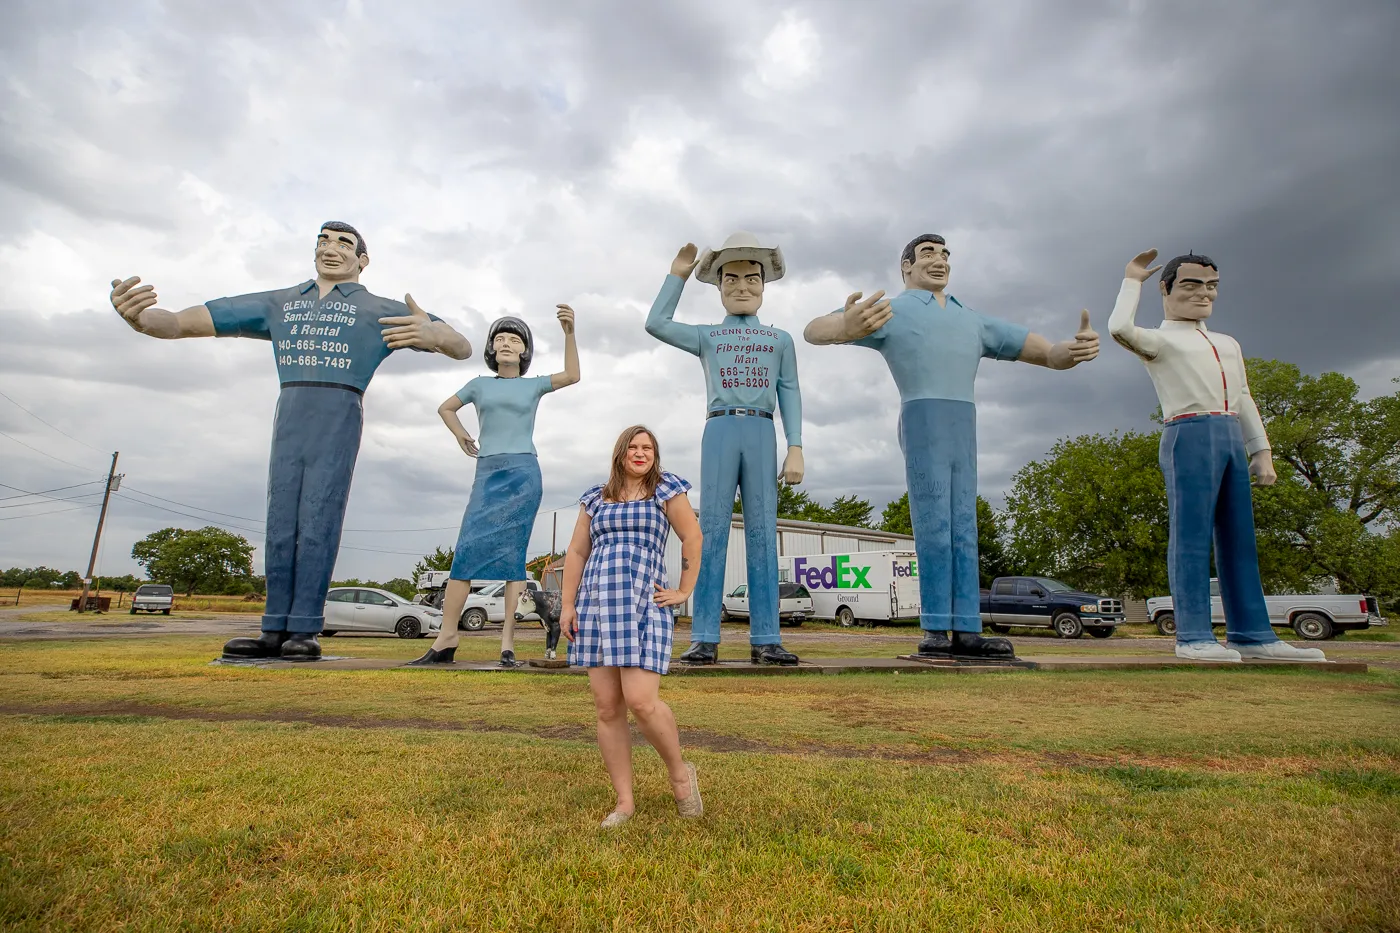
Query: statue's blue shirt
[
  {"x": 747, "y": 364},
  {"x": 505, "y": 408},
  {"x": 335, "y": 339},
  {"x": 933, "y": 350}
]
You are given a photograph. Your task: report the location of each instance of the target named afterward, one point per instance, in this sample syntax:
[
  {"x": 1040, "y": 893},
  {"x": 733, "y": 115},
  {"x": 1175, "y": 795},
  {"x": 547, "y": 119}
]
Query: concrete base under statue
[{"x": 903, "y": 664}]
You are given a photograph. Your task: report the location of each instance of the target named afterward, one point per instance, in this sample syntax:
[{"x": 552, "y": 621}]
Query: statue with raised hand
[
  {"x": 329, "y": 335},
  {"x": 933, "y": 346},
  {"x": 750, "y": 374},
  {"x": 1213, "y": 444}
]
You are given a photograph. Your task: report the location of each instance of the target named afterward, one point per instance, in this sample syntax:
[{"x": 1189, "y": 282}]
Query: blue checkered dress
[{"x": 618, "y": 623}]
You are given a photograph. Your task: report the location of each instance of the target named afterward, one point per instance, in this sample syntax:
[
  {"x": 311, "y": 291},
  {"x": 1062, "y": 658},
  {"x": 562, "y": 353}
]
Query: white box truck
[{"x": 864, "y": 586}]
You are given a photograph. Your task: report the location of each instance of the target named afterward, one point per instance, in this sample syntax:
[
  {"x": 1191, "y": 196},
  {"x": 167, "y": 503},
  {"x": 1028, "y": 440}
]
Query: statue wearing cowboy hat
[{"x": 750, "y": 370}]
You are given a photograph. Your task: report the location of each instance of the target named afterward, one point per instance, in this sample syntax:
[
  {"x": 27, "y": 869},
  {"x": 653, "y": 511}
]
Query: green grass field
[{"x": 143, "y": 789}]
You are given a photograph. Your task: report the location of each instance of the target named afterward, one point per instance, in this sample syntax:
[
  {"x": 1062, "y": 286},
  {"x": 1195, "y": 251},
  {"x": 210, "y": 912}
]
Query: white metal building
[{"x": 795, "y": 539}]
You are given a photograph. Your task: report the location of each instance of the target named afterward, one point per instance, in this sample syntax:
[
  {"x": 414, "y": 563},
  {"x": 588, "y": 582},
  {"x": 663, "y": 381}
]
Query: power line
[
  {"x": 44, "y": 492},
  {"x": 13, "y": 518},
  {"x": 49, "y": 455},
  {"x": 198, "y": 518},
  {"x": 48, "y": 499},
  {"x": 56, "y": 428},
  {"x": 197, "y": 508}
]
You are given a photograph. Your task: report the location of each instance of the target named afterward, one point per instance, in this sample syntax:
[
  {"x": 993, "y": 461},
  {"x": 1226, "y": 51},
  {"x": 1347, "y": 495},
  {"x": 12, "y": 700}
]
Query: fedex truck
[{"x": 864, "y": 586}]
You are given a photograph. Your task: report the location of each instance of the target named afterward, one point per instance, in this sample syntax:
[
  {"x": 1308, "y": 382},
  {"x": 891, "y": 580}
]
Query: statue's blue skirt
[{"x": 500, "y": 516}]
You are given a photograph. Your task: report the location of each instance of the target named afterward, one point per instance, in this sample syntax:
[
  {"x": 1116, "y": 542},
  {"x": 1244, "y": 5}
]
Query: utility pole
[{"x": 114, "y": 483}]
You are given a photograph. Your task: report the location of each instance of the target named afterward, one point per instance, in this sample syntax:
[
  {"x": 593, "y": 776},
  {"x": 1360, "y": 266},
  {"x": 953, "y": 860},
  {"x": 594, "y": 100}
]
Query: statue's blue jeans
[
  {"x": 1207, "y": 472},
  {"x": 939, "y": 440},
  {"x": 738, "y": 451},
  {"x": 315, "y": 441}
]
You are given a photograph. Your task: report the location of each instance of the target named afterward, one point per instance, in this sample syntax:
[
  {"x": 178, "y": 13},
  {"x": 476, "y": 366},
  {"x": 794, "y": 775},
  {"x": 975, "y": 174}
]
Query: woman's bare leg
[
  {"x": 640, "y": 690},
  {"x": 452, "y": 603},
  {"x": 614, "y": 736},
  {"x": 512, "y": 596}
]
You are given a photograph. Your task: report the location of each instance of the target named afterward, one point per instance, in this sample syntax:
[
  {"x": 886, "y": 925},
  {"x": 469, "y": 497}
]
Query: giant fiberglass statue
[
  {"x": 750, "y": 374},
  {"x": 329, "y": 334},
  {"x": 933, "y": 345},
  {"x": 1213, "y": 443},
  {"x": 507, "y": 488}
]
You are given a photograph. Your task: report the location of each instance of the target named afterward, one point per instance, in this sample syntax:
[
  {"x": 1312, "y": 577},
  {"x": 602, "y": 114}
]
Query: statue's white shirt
[{"x": 1195, "y": 370}]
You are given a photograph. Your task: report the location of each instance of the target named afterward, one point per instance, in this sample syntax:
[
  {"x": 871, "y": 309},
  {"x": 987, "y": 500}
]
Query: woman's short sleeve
[
  {"x": 591, "y": 499},
  {"x": 467, "y": 393},
  {"x": 670, "y": 486}
]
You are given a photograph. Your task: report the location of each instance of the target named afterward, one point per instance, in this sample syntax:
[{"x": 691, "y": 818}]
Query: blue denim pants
[
  {"x": 738, "y": 451},
  {"x": 939, "y": 440},
  {"x": 1208, "y": 495},
  {"x": 315, "y": 440}
]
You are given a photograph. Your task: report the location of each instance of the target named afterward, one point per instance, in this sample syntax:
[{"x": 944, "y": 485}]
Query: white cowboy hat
[{"x": 741, "y": 246}]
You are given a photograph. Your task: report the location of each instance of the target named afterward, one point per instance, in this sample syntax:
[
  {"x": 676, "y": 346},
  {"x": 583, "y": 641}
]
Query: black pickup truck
[{"x": 1041, "y": 602}]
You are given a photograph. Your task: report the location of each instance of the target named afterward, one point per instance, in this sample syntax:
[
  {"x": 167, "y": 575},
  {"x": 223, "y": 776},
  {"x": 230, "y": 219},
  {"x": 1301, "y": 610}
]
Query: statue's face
[
  {"x": 930, "y": 267},
  {"x": 509, "y": 348},
  {"x": 1193, "y": 293},
  {"x": 335, "y": 256},
  {"x": 741, "y": 287}
]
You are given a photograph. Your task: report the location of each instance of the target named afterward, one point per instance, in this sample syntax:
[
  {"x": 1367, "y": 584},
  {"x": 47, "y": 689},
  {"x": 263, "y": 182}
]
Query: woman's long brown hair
[{"x": 617, "y": 478}]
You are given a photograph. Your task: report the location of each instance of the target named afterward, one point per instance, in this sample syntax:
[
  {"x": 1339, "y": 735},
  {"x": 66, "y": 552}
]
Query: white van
[{"x": 864, "y": 586}]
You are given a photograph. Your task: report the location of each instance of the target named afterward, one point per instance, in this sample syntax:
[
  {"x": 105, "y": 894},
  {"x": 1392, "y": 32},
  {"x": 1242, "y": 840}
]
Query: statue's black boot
[
  {"x": 974, "y": 646},
  {"x": 435, "y": 657},
  {"x": 935, "y": 645},
  {"x": 508, "y": 659},
  {"x": 772, "y": 654},
  {"x": 701, "y": 652},
  {"x": 266, "y": 645},
  {"x": 301, "y": 646}
]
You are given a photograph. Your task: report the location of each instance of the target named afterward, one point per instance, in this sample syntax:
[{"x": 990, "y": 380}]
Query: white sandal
[
  {"x": 692, "y": 807},
  {"x": 614, "y": 819}
]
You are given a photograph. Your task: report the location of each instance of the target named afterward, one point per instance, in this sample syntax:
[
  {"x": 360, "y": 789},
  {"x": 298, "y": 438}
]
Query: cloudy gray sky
[{"x": 500, "y": 158}]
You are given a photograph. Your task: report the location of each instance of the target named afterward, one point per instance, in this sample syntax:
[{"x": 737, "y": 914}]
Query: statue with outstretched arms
[
  {"x": 933, "y": 346},
  {"x": 329, "y": 335}
]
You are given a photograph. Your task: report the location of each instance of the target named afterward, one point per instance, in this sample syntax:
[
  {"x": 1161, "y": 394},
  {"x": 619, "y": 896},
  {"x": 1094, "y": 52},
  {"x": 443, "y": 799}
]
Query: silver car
[{"x": 361, "y": 609}]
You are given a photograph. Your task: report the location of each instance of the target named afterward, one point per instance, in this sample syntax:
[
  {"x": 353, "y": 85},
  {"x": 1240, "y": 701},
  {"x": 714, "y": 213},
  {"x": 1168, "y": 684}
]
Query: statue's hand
[
  {"x": 793, "y": 467},
  {"x": 685, "y": 261},
  {"x": 1085, "y": 345},
  {"x": 1261, "y": 468},
  {"x": 130, "y": 301},
  {"x": 863, "y": 318},
  {"x": 1138, "y": 270},
  {"x": 412, "y": 330},
  {"x": 566, "y": 318},
  {"x": 468, "y": 445}
]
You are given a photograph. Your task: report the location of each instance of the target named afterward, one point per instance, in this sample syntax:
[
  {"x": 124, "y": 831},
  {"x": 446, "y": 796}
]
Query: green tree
[
  {"x": 1334, "y": 510},
  {"x": 400, "y": 587},
  {"x": 440, "y": 559},
  {"x": 848, "y": 510},
  {"x": 793, "y": 503},
  {"x": 895, "y": 517},
  {"x": 1094, "y": 514},
  {"x": 207, "y": 559},
  {"x": 992, "y": 558}
]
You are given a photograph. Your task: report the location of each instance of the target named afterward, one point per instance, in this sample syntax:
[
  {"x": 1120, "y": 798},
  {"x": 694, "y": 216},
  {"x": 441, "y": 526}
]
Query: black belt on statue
[
  {"x": 740, "y": 411},
  {"x": 322, "y": 385}
]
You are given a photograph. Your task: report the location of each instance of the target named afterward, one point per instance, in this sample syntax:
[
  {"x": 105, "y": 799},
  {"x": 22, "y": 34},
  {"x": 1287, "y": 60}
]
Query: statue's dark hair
[
  {"x": 1169, "y": 270},
  {"x": 342, "y": 227},
  {"x": 908, "y": 254},
  {"x": 509, "y": 325},
  {"x": 762, "y": 271}
]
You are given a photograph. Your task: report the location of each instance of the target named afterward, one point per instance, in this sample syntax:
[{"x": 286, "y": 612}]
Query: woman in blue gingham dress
[
  {"x": 617, "y": 610},
  {"x": 619, "y": 622}
]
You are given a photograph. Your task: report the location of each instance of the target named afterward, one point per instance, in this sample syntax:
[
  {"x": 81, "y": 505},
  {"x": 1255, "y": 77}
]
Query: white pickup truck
[
  {"x": 152, "y": 597},
  {"x": 486, "y": 601},
  {"x": 1313, "y": 618}
]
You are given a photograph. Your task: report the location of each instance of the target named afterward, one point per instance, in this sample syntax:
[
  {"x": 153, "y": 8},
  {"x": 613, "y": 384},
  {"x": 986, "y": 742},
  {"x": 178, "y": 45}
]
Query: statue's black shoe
[
  {"x": 772, "y": 654},
  {"x": 701, "y": 652},
  {"x": 435, "y": 657},
  {"x": 266, "y": 645},
  {"x": 508, "y": 659},
  {"x": 301, "y": 646},
  {"x": 971, "y": 645},
  {"x": 935, "y": 645}
]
